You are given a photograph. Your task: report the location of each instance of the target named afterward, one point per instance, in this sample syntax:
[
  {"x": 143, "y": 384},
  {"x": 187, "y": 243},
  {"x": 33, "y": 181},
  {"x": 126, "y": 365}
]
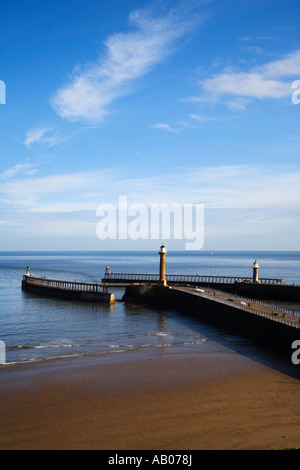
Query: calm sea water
[{"x": 37, "y": 328}]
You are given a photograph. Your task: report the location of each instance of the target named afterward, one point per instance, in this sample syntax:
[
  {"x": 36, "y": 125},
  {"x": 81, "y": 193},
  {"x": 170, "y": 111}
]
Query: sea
[{"x": 36, "y": 328}]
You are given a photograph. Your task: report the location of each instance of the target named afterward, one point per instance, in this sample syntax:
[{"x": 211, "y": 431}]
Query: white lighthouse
[{"x": 162, "y": 266}]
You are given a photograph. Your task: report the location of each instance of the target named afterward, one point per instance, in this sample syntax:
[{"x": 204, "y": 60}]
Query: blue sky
[{"x": 162, "y": 102}]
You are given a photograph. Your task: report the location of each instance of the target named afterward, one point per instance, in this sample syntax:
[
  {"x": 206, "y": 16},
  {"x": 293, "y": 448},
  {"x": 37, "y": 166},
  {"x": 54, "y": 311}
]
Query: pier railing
[
  {"x": 247, "y": 308},
  {"x": 272, "y": 312},
  {"x": 185, "y": 278},
  {"x": 65, "y": 285}
]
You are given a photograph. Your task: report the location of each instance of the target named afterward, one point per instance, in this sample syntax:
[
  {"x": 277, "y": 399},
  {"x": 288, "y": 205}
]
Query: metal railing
[
  {"x": 65, "y": 285},
  {"x": 263, "y": 314},
  {"x": 187, "y": 278},
  {"x": 247, "y": 308},
  {"x": 283, "y": 310}
]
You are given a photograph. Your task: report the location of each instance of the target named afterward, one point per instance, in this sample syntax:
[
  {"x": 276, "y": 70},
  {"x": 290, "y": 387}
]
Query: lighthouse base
[{"x": 162, "y": 283}]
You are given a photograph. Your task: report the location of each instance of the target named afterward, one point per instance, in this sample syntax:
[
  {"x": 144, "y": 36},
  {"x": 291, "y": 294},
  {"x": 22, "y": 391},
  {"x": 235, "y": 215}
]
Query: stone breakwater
[
  {"x": 283, "y": 292},
  {"x": 261, "y": 328},
  {"x": 79, "y": 291}
]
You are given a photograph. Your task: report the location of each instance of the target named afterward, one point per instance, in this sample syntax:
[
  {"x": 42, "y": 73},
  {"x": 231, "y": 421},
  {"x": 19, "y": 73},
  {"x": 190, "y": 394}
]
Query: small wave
[
  {"x": 40, "y": 359},
  {"x": 157, "y": 334},
  {"x": 195, "y": 342},
  {"x": 65, "y": 356},
  {"x": 110, "y": 349},
  {"x": 46, "y": 346}
]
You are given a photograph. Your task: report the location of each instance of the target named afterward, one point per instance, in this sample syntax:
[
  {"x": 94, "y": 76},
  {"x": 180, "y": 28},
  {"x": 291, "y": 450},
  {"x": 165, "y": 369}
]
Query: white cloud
[
  {"x": 55, "y": 191},
  {"x": 246, "y": 84},
  {"x": 164, "y": 127},
  {"x": 202, "y": 117},
  {"x": 244, "y": 186},
  {"x": 128, "y": 57},
  {"x": 34, "y": 135},
  {"x": 268, "y": 81},
  {"x": 194, "y": 121},
  {"x": 46, "y": 136},
  {"x": 206, "y": 118},
  {"x": 243, "y": 204},
  {"x": 25, "y": 168}
]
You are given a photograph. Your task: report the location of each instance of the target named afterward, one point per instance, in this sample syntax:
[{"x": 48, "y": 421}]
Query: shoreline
[{"x": 148, "y": 402}]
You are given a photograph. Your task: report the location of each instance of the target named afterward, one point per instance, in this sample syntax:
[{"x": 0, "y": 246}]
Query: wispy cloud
[
  {"x": 34, "y": 135},
  {"x": 19, "y": 168},
  {"x": 128, "y": 57},
  {"x": 46, "y": 136},
  {"x": 73, "y": 191},
  {"x": 193, "y": 121},
  {"x": 206, "y": 118},
  {"x": 237, "y": 88},
  {"x": 164, "y": 127},
  {"x": 240, "y": 186},
  {"x": 242, "y": 203}
]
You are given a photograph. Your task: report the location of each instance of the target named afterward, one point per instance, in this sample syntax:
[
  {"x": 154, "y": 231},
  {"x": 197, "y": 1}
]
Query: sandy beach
[{"x": 148, "y": 403}]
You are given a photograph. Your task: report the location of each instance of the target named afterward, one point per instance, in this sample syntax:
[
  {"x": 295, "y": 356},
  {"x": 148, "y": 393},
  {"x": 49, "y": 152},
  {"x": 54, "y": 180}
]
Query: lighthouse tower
[
  {"x": 255, "y": 272},
  {"x": 162, "y": 266}
]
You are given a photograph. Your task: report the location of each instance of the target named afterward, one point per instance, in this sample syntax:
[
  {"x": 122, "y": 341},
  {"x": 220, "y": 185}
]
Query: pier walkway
[
  {"x": 263, "y": 309},
  {"x": 73, "y": 290},
  {"x": 65, "y": 285}
]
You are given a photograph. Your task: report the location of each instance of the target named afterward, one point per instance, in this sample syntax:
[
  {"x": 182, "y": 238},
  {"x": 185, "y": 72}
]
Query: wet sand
[{"x": 162, "y": 402}]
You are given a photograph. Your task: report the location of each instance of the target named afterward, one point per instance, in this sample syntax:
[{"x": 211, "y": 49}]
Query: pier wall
[
  {"x": 267, "y": 331},
  {"x": 267, "y": 289},
  {"x": 96, "y": 297},
  {"x": 282, "y": 292}
]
